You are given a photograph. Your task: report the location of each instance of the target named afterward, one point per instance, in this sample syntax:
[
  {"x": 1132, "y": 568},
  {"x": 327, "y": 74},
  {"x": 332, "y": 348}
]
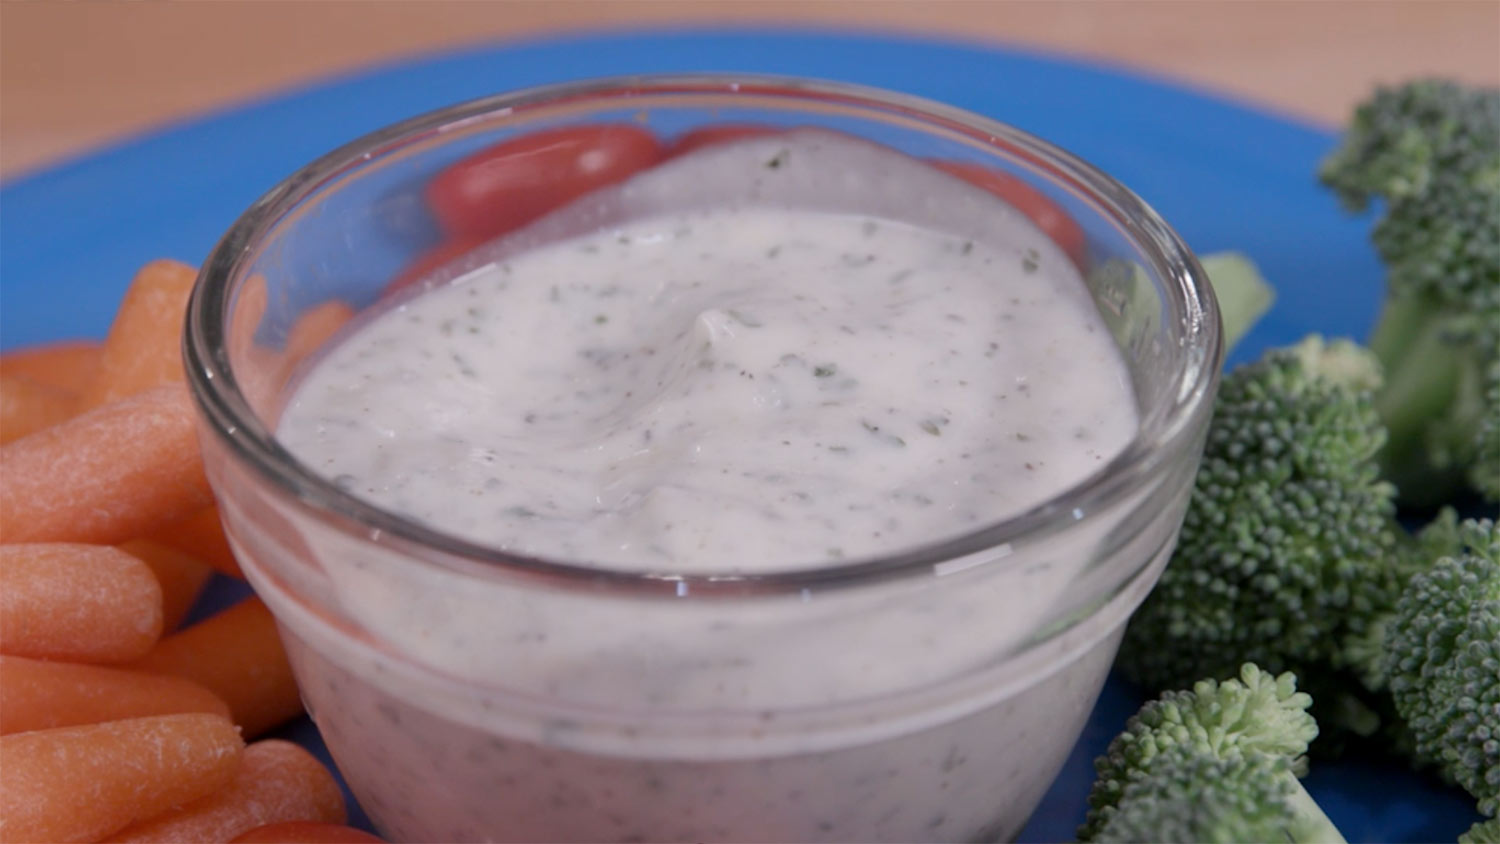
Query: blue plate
[{"x": 1224, "y": 175}]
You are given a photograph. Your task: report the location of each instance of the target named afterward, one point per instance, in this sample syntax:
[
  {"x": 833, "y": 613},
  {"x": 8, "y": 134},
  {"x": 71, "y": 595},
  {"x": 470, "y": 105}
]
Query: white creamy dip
[
  {"x": 727, "y": 390},
  {"x": 778, "y": 354}
]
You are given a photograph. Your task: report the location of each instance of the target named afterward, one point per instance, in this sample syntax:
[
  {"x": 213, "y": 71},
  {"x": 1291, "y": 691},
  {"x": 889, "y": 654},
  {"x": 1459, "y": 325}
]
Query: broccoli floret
[
  {"x": 1443, "y": 660},
  {"x": 1190, "y": 797},
  {"x": 1284, "y": 550},
  {"x": 1404, "y": 137},
  {"x": 1365, "y": 653},
  {"x": 1430, "y": 150},
  {"x": 1483, "y": 832},
  {"x": 1217, "y": 763}
]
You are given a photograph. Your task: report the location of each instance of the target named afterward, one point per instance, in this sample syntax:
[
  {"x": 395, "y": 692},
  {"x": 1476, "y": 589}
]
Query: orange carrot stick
[
  {"x": 277, "y": 781},
  {"x": 144, "y": 347},
  {"x": 36, "y": 694},
  {"x": 304, "y": 832},
  {"x": 85, "y": 603},
  {"x": 257, "y": 368},
  {"x": 201, "y": 536},
  {"x": 315, "y": 327},
  {"x": 28, "y": 405},
  {"x": 113, "y": 474},
  {"x": 70, "y": 365},
  {"x": 83, "y": 783},
  {"x": 238, "y": 656},
  {"x": 181, "y": 576}
]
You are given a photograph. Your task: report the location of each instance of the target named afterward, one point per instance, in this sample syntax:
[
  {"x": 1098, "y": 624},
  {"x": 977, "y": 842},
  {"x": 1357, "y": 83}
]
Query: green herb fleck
[
  {"x": 1030, "y": 261},
  {"x": 827, "y": 370},
  {"x": 875, "y": 429},
  {"x": 463, "y": 366}
]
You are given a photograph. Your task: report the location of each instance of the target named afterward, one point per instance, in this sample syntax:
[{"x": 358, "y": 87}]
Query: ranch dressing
[
  {"x": 725, "y": 391},
  {"x": 780, "y": 354}
]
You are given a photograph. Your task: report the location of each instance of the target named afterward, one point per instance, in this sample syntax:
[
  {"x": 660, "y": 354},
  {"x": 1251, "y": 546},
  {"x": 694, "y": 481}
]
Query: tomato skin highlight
[
  {"x": 505, "y": 186},
  {"x": 1051, "y": 219},
  {"x": 717, "y": 133},
  {"x": 306, "y": 832}
]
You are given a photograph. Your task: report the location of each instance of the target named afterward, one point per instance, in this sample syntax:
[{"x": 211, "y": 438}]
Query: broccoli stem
[
  {"x": 1311, "y": 825},
  {"x": 1421, "y": 380},
  {"x": 1244, "y": 295}
]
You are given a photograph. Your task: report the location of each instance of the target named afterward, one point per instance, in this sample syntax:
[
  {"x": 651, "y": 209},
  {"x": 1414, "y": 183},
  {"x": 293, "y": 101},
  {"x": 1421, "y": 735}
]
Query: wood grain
[{"x": 76, "y": 75}]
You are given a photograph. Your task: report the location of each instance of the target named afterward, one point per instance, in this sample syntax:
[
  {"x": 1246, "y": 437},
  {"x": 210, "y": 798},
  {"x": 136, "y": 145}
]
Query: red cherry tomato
[
  {"x": 716, "y": 133},
  {"x": 1052, "y": 220},
  {"x": 306, "y": 832},
  {"x": 508, "y": 185},
  {"x": 424, "y": 264}
]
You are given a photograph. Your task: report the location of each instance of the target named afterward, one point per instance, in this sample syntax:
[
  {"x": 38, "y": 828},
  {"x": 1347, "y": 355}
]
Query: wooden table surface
[{"x": 77, "y": 75}]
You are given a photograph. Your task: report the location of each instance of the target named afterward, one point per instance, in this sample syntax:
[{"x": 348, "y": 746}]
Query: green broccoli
[
  {"x": 1483, "y": 832},
  {"x": 1365, "y": 653},
  {"x": 1484, "y": 474},
  {"x": 1243, "y": 293},
  {"x": 1217, "y": 763},
  {"x": 1285, "y": 549},
  {"x": 1191, "y": 797},
  {"x": 1430, "y": 150},
  {"x": 1442, "y": 659}
]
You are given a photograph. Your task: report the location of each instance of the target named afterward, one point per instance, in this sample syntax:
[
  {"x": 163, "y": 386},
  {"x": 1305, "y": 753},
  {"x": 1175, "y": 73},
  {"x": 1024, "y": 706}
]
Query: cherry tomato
[
  {"x": 424, "y": 264},
  {"x": 306, "y": 832},
  {"x": 1052, "y": 220},
  {"x": 506, "y": 186},
  {"x": 716, "y": 133}
]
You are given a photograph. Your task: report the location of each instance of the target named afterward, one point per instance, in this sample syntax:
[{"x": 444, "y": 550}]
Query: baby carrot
[
  {"x": 304, "y": 832},
  {"x": 28, "y": 405},
  {"x": 85, "y": 603},
  {"x": 201, "y": 536},
  {"x": 313, "y": 328},
  {"x": 238, "y": 656},
  {"x": 83, "y": 783},
  {"x": 37, "y": 694},
  {"x": 144, "y": 347},
  {"x": 258, "y": 368},
  {"x": 69, "y": 365},
  {"x": 277, "y": 781},
  {"x": 247, "y": 312},
  {"x": 181, "y": 577},
  {"x": 115, "y": 473}
]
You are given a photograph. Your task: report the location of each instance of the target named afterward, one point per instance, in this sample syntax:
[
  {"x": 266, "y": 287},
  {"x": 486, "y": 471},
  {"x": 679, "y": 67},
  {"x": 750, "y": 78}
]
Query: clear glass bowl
[{"x": 471, "y": 695}]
